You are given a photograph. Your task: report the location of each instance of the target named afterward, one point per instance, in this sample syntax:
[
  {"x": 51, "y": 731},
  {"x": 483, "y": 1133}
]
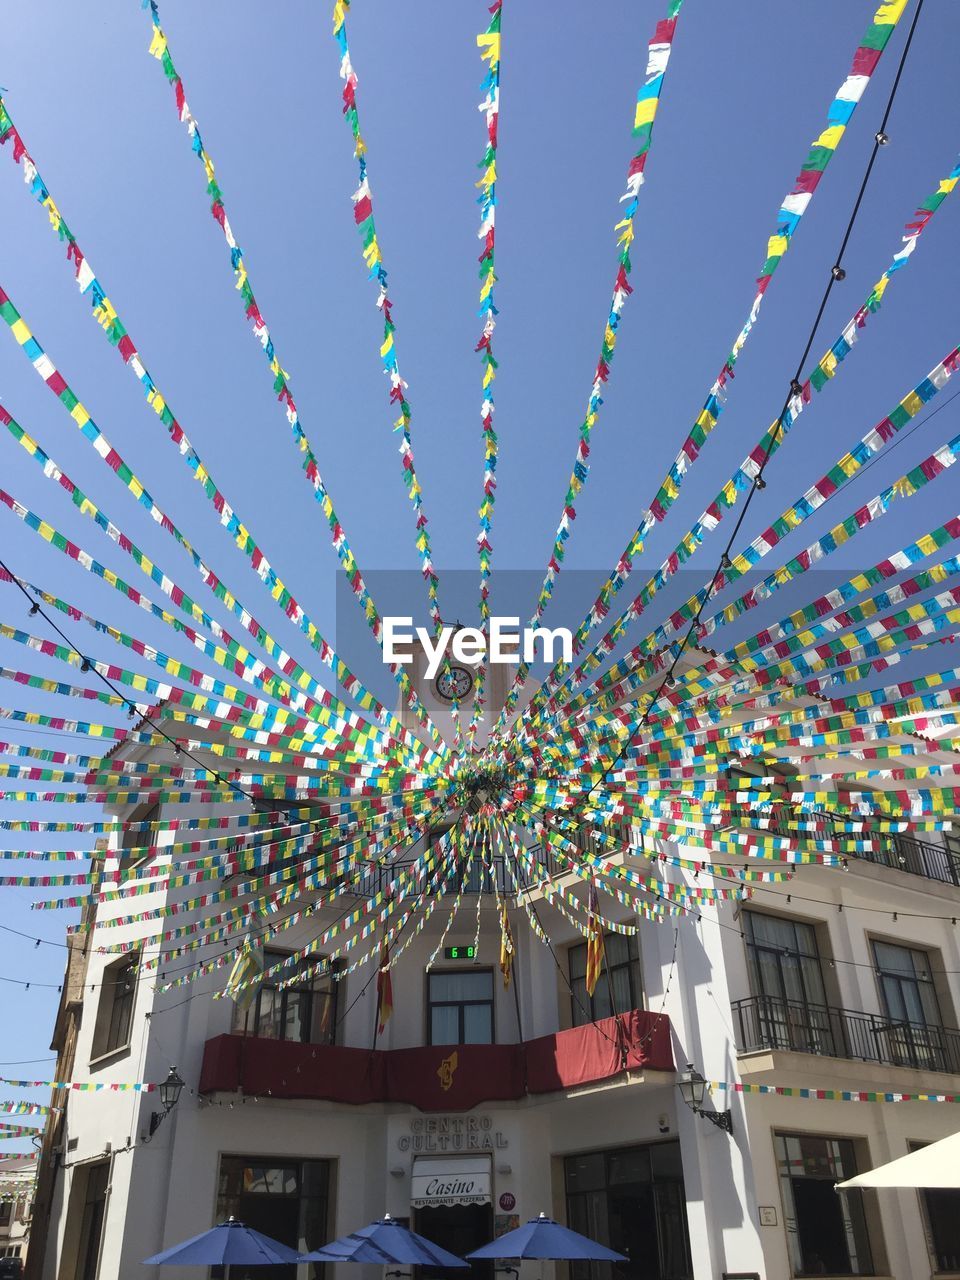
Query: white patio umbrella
[{"x": 937, "y": 1165}]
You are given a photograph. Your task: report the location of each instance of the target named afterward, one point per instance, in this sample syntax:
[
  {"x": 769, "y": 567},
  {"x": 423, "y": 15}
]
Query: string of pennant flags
[
  {"x": 489, "y": 45},
  {"x": 25, "y": 1109},
  {"x": 726, "y": 1087},
  {"x": 88, "y": 1086},
  {"x": 745, "y": 477},
  {"x": 159, "y": 48},
  {"x": 228, "y": 518},
  {"x": 246, "y": 797},
  {"x": 373, "y": 260},
  {"x": 646, "y": 109},
  {"x": 792, "y": 210},
  {"x": 648, "y": 98}
]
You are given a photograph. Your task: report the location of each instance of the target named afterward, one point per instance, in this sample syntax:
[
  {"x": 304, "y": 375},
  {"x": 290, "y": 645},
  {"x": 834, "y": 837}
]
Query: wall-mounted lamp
[
  {"x": 169, "y": 1092},
  {"x": 693, "y": 1089},
  {"x": 397, "y": 1172},
  {"x": 504, "y": 1168}
]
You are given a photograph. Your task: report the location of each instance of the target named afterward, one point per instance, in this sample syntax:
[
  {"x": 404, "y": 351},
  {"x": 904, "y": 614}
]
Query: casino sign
[{"x": 437, "y": 1181}]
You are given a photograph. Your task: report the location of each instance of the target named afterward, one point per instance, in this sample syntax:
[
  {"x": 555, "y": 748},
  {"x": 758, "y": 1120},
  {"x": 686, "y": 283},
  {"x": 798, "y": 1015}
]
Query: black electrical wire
[
  {"x": 837, "y": 273},
  {"x": 87, "y": 665}
]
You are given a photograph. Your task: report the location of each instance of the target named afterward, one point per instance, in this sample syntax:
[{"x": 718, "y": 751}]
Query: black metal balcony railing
[
  {"x": 542, "y": 865},
  {"x": 902, "y": 853},
  {"x": 768, "y": 1022},
  {"x": 918, "y": 858}
]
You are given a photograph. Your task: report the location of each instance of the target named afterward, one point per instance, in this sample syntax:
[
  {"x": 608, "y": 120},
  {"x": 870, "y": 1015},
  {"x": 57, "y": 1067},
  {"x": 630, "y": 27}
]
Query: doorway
[
  {"x": 287, "y": 1200},
  {"x": 88, "y": 1202},
  {"x": 632, "y": 1200},
  {"x": 458, "y": 1228}
]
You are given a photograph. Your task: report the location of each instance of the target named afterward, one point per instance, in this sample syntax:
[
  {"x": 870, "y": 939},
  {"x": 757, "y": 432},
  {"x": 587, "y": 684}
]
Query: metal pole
[
  {"x": 621, "y": 1035},
  {"x": 376, "y": 1020},
  {"x": 516, "y": 993}
]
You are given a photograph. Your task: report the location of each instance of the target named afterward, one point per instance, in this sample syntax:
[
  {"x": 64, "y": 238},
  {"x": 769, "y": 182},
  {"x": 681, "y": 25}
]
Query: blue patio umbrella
[
  {"x": 543, "y": 1238},
  {"x": 384, "y": 1242},
  {"x": 230, "y": 1243}
]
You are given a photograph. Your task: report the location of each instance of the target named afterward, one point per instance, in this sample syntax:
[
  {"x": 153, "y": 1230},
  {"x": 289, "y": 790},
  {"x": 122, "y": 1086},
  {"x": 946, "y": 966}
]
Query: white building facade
[
  {"x": 482, "y": 1105},
  {"x": 16, "y": 1202}
]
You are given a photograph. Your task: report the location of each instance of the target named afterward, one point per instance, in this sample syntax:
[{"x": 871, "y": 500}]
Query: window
[
  {"x": 906, "y": 984},
  {"x": 622, "y": 967},
  {"x": 632, "y": 1200},
  {"x": 136, "y": 839},
  {"x": 91, "y": 1184},
  {"x": 6, "y": 1210},
  {"x": 787, "y": 981},
  {"x": 913, "y": 1037},
  {"x": 286, "y": 1199},
  {"x": 118, "y": 993},
  {"x": 460, "y": 1006},
  {"x": 941, "y": 1217},
  {"x": 826, "y": 1229},
  {"x": 306, "y": 1012}
]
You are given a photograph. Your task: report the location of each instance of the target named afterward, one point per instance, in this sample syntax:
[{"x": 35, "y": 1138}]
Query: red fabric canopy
[
  {"x": 438, "y": 1077},
  {"x": 598, "y": 1050}
]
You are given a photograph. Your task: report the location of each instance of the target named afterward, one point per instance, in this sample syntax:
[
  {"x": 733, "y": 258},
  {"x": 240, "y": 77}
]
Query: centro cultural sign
[{"x": 452, "y": 1133}]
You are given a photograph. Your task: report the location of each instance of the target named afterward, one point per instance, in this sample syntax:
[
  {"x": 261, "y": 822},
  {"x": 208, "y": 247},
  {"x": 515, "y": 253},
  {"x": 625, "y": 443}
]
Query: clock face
[{"x": 453, "y": 682}]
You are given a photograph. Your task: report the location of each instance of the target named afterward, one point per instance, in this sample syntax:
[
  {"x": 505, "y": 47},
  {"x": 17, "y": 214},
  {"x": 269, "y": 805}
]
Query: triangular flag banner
[
  {"x": 247, "y": 972},
  {"x": 384, "y": 988},
  {"x": 506, "y": 947},
  {"x": 595, "y": 952}
]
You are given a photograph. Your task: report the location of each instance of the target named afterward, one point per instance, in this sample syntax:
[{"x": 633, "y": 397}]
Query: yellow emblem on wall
[{"x": 446, "y": 1071}]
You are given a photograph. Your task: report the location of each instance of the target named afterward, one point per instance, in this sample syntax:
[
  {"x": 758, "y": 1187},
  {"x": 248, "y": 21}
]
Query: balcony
[
  {"x": 543, "y": 865},
  {"x": 918, "y": 858},
  {"x": 439, "y": 1077},
  {"x": 901, "y": 853},
  {"x": 766, "y": 1022}
]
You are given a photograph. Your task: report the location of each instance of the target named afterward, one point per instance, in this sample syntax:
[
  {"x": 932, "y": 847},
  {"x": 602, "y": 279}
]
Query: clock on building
[{"x": 453, "y": 682}]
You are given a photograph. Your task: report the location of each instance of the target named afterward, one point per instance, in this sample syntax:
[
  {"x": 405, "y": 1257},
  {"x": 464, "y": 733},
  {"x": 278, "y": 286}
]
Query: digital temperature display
[{"x": 460, "y": 953}]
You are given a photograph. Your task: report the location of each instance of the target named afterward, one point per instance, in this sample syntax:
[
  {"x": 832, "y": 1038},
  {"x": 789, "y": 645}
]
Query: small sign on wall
[
  {"x": 768, "y": 1215},
  {"x": 507, "y": 1202}
]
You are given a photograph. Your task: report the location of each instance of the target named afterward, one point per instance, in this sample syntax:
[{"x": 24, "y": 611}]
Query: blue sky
[{"x": 744, "y": 98}]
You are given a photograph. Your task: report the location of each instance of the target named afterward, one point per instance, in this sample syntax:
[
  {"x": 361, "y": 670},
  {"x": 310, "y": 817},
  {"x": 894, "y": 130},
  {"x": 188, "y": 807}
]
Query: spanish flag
[
  {"x": 595, "y": 953},
  {"x": 506, "y": 947},
  {"x": 384, "y": 988},
  {"x": 244, "y": 981}
]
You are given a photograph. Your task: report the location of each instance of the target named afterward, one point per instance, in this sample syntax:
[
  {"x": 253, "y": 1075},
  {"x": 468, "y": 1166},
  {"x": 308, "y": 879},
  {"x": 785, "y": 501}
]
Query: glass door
[{"x": 788, "y": 984}]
